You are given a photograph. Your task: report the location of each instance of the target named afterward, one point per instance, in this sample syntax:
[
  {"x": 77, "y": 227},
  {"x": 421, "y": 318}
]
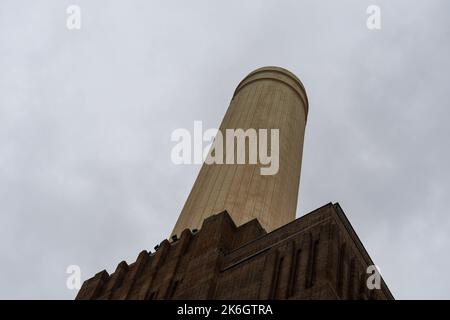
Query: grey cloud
[{"x": 86, "y": 118}]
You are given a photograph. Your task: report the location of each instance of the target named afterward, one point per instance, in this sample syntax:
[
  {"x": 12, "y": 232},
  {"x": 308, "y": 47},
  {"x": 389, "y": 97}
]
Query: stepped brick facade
[{"x": 317, "y": 256}]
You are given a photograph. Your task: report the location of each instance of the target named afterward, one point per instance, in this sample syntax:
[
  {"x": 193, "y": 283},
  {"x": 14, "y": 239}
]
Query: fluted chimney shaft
[{"x": 268, "y": 98}]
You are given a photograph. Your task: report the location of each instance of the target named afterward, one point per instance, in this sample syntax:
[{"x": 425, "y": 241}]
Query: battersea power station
[{"x": 237, "y": 236}]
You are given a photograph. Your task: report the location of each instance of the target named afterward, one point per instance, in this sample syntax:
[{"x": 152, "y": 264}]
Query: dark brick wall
[{"x": 318, "y": 256}]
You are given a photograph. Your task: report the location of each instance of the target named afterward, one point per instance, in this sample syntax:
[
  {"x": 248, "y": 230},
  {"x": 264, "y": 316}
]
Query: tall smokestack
[{"x": 268, "y": 98}]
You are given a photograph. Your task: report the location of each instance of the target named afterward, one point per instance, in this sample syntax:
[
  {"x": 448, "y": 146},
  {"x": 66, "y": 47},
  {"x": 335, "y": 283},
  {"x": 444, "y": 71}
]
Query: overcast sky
[{"x": 86, "y": 117}]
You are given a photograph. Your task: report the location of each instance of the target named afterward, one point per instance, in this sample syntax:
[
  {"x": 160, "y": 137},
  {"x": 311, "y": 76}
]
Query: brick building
[{"x": 318, "y": 256}]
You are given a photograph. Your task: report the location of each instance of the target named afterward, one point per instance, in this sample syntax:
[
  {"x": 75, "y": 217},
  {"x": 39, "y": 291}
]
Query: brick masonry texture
[{"x": 317, "y": 256}]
